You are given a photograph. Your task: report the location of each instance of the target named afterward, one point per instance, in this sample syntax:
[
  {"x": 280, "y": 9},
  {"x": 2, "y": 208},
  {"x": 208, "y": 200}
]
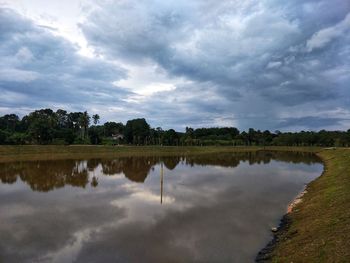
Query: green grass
[
  {"x": 52, "y": 152},
  {"x": 320, "y": 226}
]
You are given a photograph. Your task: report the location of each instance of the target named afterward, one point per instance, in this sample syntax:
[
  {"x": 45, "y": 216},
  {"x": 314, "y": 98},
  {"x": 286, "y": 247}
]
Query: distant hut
[{"x": 117, "y": 138}]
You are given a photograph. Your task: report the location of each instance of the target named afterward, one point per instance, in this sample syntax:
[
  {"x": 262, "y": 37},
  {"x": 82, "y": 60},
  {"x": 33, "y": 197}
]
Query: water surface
[{"x": 204, "y": 208}]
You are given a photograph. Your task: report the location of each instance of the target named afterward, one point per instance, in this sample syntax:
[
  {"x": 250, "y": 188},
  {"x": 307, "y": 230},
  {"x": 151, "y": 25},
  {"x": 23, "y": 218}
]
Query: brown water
[{"x": 217, "y": 208}]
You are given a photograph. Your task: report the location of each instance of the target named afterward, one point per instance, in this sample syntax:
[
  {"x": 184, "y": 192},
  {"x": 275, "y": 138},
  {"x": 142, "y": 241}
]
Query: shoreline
[
  {"x": 55, "y": 152},
  {"x": 266, "y": 253},
  {"x": 298, "y": 199},
  {"x": 9, "y": 153},
  {"x": 318, "y": 228}
]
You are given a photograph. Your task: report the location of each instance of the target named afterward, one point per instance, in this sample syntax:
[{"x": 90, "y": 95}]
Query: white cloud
[
  {"x": 273, "y": 64},
  {"x": 147, "y": 78},
  {"x": 61, "y": 17},
  {"x": 24, "y": 55},
  {"x": 326, "y": 35}
]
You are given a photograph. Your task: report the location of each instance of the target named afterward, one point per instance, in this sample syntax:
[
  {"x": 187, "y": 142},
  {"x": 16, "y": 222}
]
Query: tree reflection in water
[{"x": 44, "y": 176}]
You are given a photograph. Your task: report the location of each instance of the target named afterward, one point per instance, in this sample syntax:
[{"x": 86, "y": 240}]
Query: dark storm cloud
[
  {"x": 316, "y": 122},
  {"x": 280, "y": 52},
  {"x": 243, "y": 63},
  {"x": 38, "y": 69}
]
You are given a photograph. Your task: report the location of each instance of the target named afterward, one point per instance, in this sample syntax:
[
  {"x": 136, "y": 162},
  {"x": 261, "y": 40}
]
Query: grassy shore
[
  {"x": 320, "y": 225},
  {"x": 53, "y": 152}
]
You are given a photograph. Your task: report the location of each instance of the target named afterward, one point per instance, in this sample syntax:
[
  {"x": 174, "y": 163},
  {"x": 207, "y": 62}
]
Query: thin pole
[{"x": 161, "y": 182}]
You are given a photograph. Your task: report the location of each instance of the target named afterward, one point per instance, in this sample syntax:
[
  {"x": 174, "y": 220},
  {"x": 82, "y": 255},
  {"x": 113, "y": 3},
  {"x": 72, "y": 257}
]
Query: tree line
[{"x": 46, "y": 126}]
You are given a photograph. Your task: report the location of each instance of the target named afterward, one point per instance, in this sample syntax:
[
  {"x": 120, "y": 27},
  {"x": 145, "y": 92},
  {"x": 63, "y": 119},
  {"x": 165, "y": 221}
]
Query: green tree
[
  {"x": 42, "y": 124},
  {"x": 137, "y": 131},
  {"x": 9, "y": 122},
  {"x": 111, "y": 128},
  {"x": 170, "y": 137},
  {"x": 96, "y": 118},
  {"x": 84, "y": 122},
  {"x": 95, "y": 134}
]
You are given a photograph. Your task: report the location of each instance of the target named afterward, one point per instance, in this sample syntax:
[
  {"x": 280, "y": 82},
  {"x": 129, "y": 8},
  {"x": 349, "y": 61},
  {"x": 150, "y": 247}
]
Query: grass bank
[
  {"x": 319, "y": 229},
  {"x": 53, "y": 152}
]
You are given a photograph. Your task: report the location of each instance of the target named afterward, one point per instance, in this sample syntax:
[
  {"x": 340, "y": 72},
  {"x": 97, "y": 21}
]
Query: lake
[{"x": 197, "y": 208}]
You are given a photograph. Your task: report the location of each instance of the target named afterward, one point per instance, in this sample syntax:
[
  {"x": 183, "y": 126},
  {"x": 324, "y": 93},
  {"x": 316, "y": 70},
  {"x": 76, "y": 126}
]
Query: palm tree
[
  {"x": 96, "y": 118},
  {"x": 84, "y": 122}
]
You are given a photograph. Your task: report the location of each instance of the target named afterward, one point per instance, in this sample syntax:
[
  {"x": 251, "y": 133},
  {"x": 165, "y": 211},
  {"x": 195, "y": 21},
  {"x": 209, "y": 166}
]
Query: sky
[{"x": 265, "y": 64}]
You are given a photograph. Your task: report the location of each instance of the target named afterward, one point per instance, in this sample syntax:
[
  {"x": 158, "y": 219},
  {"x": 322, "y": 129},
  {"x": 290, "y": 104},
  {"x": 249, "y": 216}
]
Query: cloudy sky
[{"x": 266, "y": 64}]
